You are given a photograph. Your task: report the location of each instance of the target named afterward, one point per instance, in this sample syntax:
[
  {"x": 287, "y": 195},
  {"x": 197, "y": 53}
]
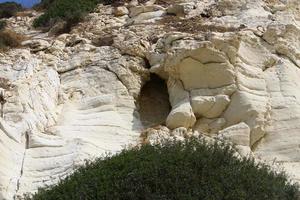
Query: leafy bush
[
  {"x": 9, "y": 9},
  {"x": 10, "y": 39},
  {"x": 70, "y": 11},
  {"x": 2, "y": 24},
  {"x": 189, "y": 170}
]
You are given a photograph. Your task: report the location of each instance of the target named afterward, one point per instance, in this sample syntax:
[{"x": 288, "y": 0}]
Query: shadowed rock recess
[{"x": 225, "y": 69}]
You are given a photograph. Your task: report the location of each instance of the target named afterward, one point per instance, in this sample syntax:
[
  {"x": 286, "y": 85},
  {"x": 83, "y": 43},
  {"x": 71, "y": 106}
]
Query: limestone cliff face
[{"x": 227, "y": 68}]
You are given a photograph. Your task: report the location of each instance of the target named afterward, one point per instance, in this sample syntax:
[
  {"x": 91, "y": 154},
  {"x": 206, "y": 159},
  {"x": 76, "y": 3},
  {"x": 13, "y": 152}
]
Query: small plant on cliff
[
  {"x": 2, "y": 24},
  {"x": 69, "y": 11},
  {"x": 10, "y": 39},
  {"x": 9, "y": 9},
  {"x": 188, "y": 170},
  {"x": 63, "y": 10}
]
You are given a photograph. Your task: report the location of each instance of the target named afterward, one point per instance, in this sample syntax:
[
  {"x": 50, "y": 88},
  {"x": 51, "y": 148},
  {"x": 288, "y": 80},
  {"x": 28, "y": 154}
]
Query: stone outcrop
[{"x": 230, "y": 67}]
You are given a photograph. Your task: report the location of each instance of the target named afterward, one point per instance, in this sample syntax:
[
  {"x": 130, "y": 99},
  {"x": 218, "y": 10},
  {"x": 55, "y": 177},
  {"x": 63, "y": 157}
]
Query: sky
[{"x": 25, "y": 3}]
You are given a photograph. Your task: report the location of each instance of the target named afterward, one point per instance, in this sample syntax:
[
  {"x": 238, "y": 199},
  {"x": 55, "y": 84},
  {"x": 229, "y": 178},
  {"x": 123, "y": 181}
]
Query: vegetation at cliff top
[
  {"x": 70, "y": 12},
  {"x": 9, "y": 9},
  {"x": 189, "y": 170}
]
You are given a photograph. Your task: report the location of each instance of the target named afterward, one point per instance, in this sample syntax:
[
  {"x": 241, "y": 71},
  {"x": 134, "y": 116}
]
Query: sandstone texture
[{"x": 219, "y": 68}]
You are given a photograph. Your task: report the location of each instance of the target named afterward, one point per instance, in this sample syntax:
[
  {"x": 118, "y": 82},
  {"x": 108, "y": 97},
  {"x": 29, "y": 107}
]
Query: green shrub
[
  {"x": 190, "y": 170},
  {"x": 9, "y": 9},
  {"x": 2, "y": 24},
  {"x": 70, "y": 11}
]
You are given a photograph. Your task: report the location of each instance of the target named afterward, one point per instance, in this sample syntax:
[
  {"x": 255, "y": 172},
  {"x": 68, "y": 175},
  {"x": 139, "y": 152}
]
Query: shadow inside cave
[{"x": 153, "y": 102}]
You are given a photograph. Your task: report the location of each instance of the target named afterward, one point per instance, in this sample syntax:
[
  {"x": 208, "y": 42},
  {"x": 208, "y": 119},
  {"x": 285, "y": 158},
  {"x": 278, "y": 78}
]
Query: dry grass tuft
[
  {"x": 194, "y": 25},
  {"x": 10, "y": 39}
]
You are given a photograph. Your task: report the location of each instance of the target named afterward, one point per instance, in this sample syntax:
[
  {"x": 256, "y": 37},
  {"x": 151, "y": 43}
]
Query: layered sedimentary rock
[{"x": 228, "y": 69}]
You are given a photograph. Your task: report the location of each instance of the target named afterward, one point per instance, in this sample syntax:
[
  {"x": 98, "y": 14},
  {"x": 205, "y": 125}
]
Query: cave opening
[{"x": 153, "y": 102}]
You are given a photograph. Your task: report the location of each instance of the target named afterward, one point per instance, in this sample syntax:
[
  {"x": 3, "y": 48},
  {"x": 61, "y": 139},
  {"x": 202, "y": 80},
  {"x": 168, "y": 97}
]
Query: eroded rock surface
[{"x": 228, "y": 69}]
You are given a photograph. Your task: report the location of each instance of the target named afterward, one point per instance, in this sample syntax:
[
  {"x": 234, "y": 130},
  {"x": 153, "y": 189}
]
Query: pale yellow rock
[
  {"x": 258, "y": 77},
  {"x": 238, "y": 134},
  {"x": 120, "y": 11},
  {"x": 209, "y": 106},
  {"x": 176, "y": 9},
  {"x": 136, "y": 10},
  {"x": 148, "y": 17},
  {"x": 196, "y": 75},
  {"x": 209, "y": 126},
  {"x": 182, "y": 114}
]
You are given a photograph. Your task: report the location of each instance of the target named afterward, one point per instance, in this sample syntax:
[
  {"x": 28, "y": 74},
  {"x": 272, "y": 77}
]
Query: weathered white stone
[
  {"x": 148, "y": 17},
  {"x": 180, "y": 9},
  {"x": 37, "y": 45},
  {"x": 96, "y": 92},
  {"x": 136, "y": 10},
  {"x": 196, "y": 75},
  {"x": 182, "y": 114},
  {"x": 209, "y": 126},
  {"x": 238, "y": 134},
  {"x": 257, "y": 76},
  {"x": 120, "y": 11},
  {"x": 209, "y": 106},
  {"x": 244, "y": 151}
]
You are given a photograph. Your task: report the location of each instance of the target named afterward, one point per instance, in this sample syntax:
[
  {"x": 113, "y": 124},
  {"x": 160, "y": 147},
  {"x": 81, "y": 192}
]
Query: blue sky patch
[{"x": 24, "y": 3}]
